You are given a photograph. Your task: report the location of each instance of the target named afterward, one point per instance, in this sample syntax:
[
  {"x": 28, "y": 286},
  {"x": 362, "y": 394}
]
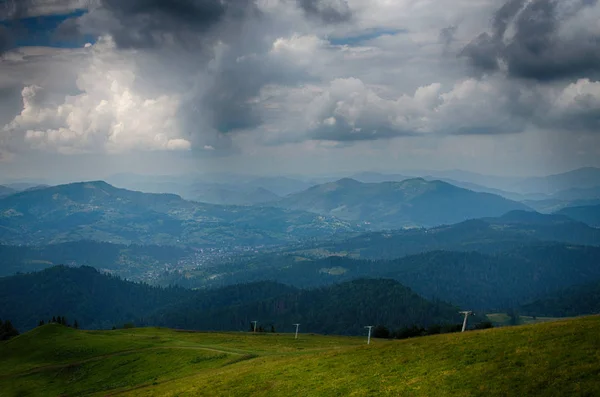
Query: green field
[{"x": 560, "y": 358}]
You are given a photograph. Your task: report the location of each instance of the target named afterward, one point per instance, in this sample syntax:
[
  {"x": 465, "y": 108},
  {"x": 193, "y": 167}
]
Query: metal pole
[
  {"x": 369, "y": 337},
  {"x": 254, "y": 325},
  {"x": 297, "y": 325},
  {"x": 464, "y": 327}
]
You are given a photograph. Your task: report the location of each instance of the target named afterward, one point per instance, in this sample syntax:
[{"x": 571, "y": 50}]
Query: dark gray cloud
[
  {"x": 536, "y": 49},
  {"x": 328, "y": 11},
  {"x": 447, "y": 35},
  {"x": 151, "y": 23},
  {"x": 5, "y": 39}
]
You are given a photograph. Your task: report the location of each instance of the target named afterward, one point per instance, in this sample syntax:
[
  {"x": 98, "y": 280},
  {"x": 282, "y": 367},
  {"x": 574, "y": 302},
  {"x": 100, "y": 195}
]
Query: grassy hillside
[{"x": 551, "y": 359}]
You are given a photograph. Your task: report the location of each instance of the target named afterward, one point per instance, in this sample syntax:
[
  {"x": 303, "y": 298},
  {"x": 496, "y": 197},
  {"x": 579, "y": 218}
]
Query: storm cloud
[{"x": 538, "y": 40}]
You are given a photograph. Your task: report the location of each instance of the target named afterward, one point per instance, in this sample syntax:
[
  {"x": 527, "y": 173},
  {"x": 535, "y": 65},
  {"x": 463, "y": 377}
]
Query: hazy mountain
[
  {"x": 22, "y": 186},
  {"x": 484, "y": 235},
  {"x": 554, "y": 205},
  {"x": 582, "y": 178},
  {"x": 590, "y": 193},
  {"x": 392, "y": 205},
  {"x": 376, "y": 177},
  {"x": 490, "y": 181},
  {"x": 6, "y": 191},
  {"x": 221, "y": 195},
  {"x": 227, "y": 190},
  {"x": 586, "y": 214},
  {"x": 281, "y": 186},
  {"x": 481, "y": 189},
  {"x": 99, "y": 211}
]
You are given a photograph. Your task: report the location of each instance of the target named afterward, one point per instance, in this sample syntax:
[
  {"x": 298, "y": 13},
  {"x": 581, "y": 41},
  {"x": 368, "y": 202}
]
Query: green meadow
[{"x": 558, "y": 358}]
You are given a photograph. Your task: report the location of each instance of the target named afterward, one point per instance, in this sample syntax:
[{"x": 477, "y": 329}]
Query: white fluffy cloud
[{"x": 107, "y": 115}]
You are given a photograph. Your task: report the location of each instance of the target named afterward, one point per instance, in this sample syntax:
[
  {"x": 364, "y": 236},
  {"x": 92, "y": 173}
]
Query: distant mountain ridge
[
  {"x": 586, "y": 214},
  {"x": 99, "y": 211},
  {"x": 392, "y": 205},
  {"x": 5, "y": 191}
]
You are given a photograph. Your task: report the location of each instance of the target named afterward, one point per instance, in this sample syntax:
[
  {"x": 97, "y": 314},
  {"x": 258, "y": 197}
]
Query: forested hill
[
  {"x": 467, "y": 279},
  {"x": 96, "y": 300},
  {"x": 573, "y": 301},
  {"x": 488, "y": 235},
  {"x": 342, "y": 309}
]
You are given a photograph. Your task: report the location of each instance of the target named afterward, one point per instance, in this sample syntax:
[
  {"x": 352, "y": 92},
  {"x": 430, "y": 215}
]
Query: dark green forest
[
  {"x": 573, "y": 301},
  {"x": 467, "y": 279},
  {"x": 342, "y": 309},
  {"x": 97, "y": 300}
]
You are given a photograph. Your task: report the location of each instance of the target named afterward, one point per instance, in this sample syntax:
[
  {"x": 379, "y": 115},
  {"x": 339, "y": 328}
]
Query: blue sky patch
[
  {"x": 365, "y": 36},
  {"x": 42, "y": 31}
]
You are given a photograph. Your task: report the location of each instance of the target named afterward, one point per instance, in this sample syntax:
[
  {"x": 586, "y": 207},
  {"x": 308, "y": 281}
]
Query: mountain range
[
  {"x": 99, "y": 211},
  {"x": 393, "y": 205}
]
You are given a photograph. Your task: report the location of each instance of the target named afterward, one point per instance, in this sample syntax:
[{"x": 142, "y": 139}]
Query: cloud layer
[{"x": 218, "y": 78}]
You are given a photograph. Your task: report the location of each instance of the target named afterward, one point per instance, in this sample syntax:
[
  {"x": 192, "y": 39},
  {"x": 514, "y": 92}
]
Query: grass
[
  {"x": 503, "y": 319},
  {"x": 551, "y": 359}
]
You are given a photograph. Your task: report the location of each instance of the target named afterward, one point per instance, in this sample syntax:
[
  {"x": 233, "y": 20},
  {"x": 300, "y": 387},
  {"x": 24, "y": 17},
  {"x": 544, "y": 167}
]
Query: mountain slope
[
  {"x": 97, "y": 300},
  {"x": 6, "y": 191},
  {"x": 573, "y": 301},
  {"x": 133, "y": 262},
  {"x": 508, "y": 361},
  {"x": 582, "y": 178},
  {"x": 467, "y": 279},
  {"x": 586, "y": 214},
  {"x": 99, "y": 211},
  {"x": 511, "y": 230},
  {"x": 338, "y": 309},
  {"x": 391, "y": 205}
]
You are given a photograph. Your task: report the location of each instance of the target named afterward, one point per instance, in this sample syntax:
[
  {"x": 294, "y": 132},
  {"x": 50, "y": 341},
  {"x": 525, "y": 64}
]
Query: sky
[{"x": 89, "y": 88}]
